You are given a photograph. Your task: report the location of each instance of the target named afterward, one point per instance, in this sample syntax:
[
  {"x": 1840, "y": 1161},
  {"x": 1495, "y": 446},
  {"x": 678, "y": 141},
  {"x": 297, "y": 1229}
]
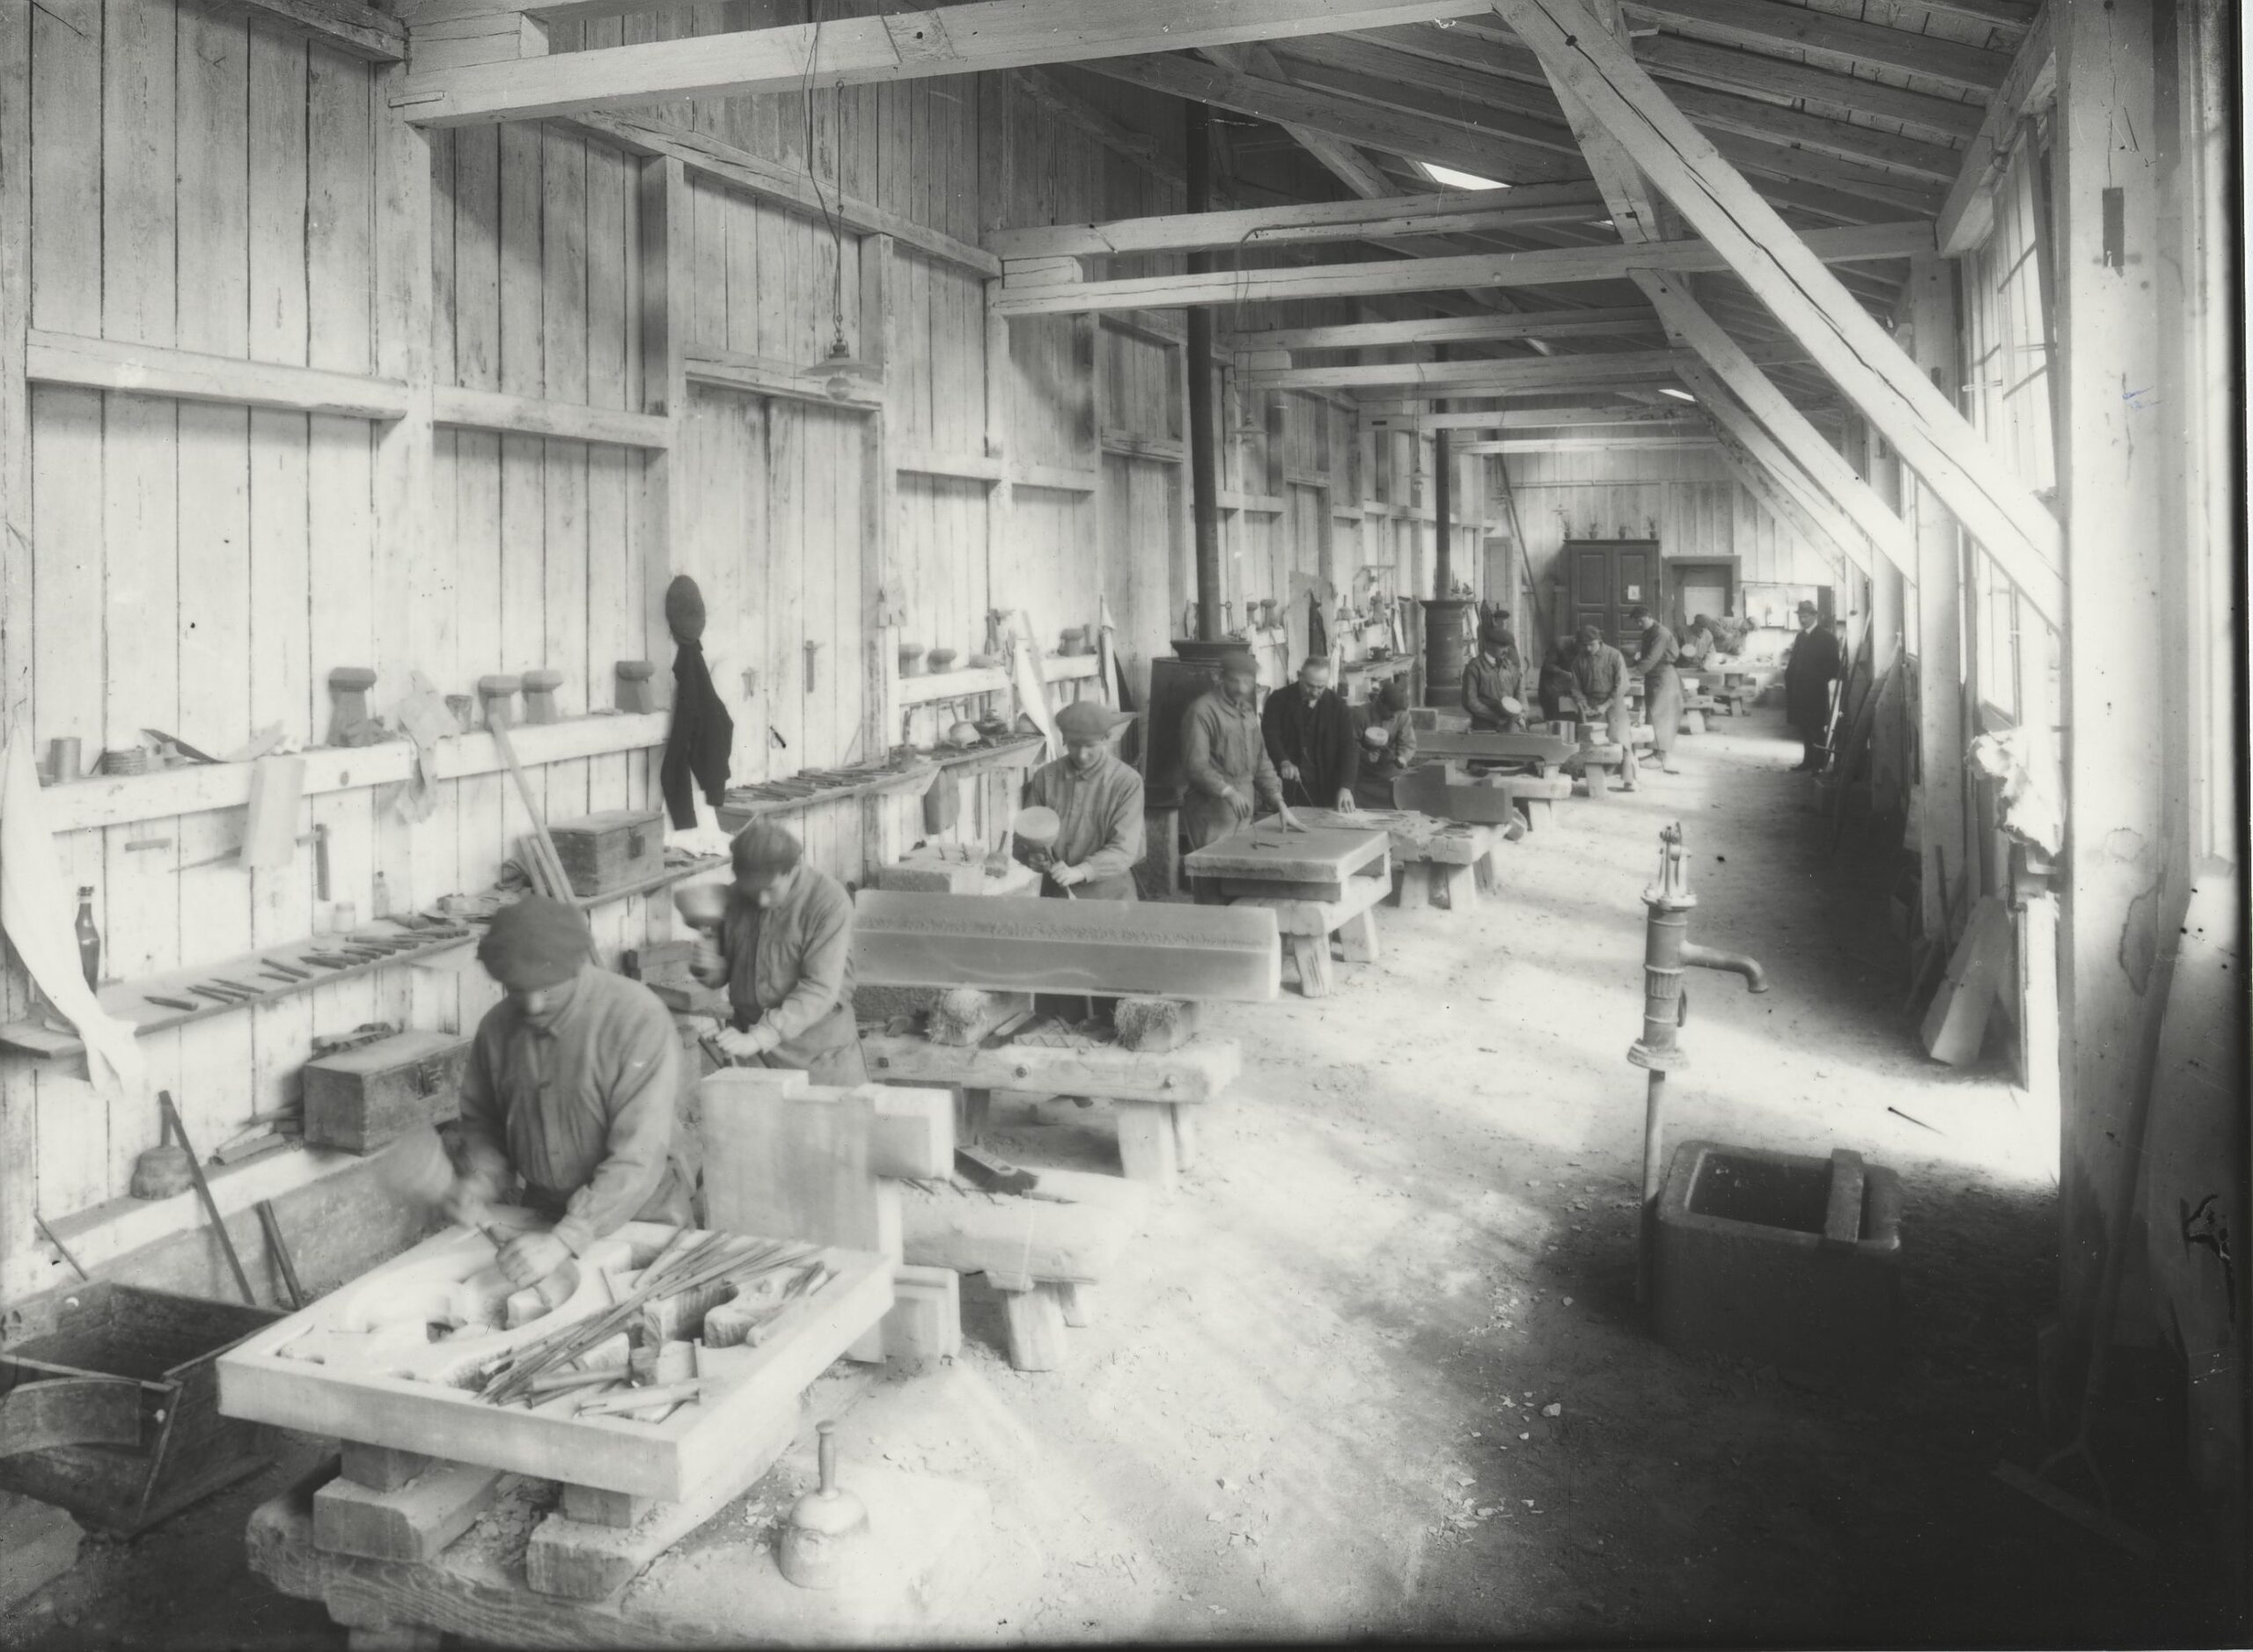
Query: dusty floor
[{"x": 1377, "y": 1368}]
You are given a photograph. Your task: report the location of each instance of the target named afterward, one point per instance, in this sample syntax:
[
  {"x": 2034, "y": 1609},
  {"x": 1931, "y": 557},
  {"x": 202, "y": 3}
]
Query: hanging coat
[{"x": 702, "y": 732}]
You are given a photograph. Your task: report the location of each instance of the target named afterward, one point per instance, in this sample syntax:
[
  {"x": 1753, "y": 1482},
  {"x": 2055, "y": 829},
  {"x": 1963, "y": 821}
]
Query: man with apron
[{"x": 1656, "y": 653}]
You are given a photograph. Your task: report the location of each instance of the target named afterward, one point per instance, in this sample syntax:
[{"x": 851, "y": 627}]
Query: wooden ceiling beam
[
  {"x": 1472, "y": 378},
  {"x": 1861, "y": 359},
  {"x": 1818, "y": 527},
  {"x": 954, "y": 39},
  {"x": 1552, "y": 324},
  {"x": 1048, "y": 289},
  {"x": 1386, "y": 217},
  {"x": 1336, "y": 156},
  {"x": 1902, "y": 197},
  {"x": 1839, "y": 42},
  {"x": 1840, "y": 140},
  {"x": 1679, "y": 60},
  {"x": 1725, "y": 372},
  {"x": 1520, "y": 418},
  {"x": 1677, "y": 439},
  {"x": 1969, "y": 212},
  {"x": 1495, "y": 152}
]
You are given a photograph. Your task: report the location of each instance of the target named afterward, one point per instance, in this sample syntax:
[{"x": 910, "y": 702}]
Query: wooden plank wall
[
  {"x": 200, "y": 180},
  {"x": 1686, "y": 500}
]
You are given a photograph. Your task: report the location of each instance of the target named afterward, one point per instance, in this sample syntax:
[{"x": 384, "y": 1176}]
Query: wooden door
[{"x": 1606, "y": 577}]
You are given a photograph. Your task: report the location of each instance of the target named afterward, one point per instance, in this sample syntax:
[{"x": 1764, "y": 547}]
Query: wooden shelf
[
  {"x": 110, "y": 800},
  {"x": 735, "y": 815},
  {"x": 992, "y": 680},
  {"x": 128, "y": 999},
  {"x": 1019, "y": 751}
]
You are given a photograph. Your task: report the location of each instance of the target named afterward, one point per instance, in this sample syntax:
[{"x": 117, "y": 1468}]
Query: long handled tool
[
  {"x": 551, "y": 863},
  {"x": 203, "y": 1193}
]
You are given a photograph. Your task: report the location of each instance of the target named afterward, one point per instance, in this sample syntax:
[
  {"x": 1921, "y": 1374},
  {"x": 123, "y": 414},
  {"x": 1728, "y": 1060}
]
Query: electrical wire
[{"x": 828, "y": 218}]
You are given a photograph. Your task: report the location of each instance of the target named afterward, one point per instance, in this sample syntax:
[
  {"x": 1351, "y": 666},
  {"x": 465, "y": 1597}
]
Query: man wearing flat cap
[
  {"x": 786, "y": 958},
  {"x": 1224, "y": 757},
  {"x": 1812, "y": 666},
  {"x": 571, "y": 1089},
  {"x": 1098, "y": 803}
]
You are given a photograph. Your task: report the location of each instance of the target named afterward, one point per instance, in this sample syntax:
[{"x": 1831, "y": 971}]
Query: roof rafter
[
  {"x": 861, "y": 51},
  {"x": 1051, "y": 290}
]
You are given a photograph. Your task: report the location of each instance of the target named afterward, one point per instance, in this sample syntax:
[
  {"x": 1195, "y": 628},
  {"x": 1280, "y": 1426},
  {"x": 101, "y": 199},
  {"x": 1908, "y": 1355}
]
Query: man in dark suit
[{"x": 1807, "y": 675}]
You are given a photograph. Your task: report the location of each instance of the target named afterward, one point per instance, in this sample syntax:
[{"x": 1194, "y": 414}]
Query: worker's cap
[
  {"x": 538, "y": 941},
  {"x": 1085, "y": 720},
  {"x": 1238, "y": 659},
  {"x": 1807, "y": 607},
  {"x": 1638, "y": 611},
  {"x": 763, "y": 847},
  {"x": 1394, "y": 695}
]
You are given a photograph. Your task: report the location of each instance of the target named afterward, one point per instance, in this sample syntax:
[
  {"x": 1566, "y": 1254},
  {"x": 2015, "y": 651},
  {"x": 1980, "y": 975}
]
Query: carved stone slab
[{"x": 1008, "y": 945}]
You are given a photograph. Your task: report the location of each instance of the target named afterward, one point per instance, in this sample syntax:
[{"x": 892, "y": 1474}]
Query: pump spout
[{"x": 1755, "y": 978}]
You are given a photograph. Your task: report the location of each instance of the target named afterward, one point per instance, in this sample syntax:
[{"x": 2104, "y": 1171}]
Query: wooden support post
[
  {"x": 20, "y": 1264},
  {"x": 2124, "y": 839},
  {"x": 1941, "y": 589},
  {"x": 1035, "y": 1320},
  {"x": 1204, "y": 454},
  {"x": 1148, "y": 1150},
  {"x": 663, "y": 260}
]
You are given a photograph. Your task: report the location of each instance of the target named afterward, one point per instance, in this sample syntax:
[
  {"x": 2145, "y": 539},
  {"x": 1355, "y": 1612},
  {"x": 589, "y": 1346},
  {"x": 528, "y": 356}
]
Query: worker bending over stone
[
  {"x": 569, "y": 1090},
  {"x": 1495, "y": 681},
  {"x": 1600, "y": 680},
  {"x": 1388, "y": 737},
  {"x": 786, "y": 958},
  {"x": 1656, "y": 653},
  {"x": 1098, "y": 804},
  {"x": 1310, "y": 736},
  {"x": 1224, "y": 757},
  {"x": 1559, "y": 690}
]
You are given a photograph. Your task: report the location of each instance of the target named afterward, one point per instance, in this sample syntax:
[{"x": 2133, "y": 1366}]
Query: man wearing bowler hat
[{"x": 1813, "y": 666}]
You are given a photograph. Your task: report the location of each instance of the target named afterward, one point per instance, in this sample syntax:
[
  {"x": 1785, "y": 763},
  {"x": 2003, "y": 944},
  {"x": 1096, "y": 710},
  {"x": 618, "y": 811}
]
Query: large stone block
[{"x": 1782, "y": 1258}]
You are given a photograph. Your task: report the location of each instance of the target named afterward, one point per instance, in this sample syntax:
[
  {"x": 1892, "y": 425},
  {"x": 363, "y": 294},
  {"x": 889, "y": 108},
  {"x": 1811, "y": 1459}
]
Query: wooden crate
[
  {"x": 610, "y": 849},
  {"x": 139, "y": 1364},
  {"x": 360, "y": 1098}
]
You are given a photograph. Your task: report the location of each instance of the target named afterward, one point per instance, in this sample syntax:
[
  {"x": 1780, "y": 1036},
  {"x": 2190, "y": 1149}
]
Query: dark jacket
[
  {"x": 1317, "y": 737},
  {"x": 697, "y": 745},
  {"x": 1486, "y": 681},
  {"x": 1807, "y": 675}
]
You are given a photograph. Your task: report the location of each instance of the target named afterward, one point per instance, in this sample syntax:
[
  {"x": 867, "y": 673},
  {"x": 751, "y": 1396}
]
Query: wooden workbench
[
  {"x": 1437, "y": 860},
  {"x": 1317, "y": 883},
  {"x": 1147, "y": 1089}
]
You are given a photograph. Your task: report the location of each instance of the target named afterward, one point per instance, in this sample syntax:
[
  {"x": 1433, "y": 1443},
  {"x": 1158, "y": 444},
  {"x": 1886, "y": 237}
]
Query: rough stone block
[
  {"x": 39, "y": 1543},
  {"x": 1756, "y": 1259}
]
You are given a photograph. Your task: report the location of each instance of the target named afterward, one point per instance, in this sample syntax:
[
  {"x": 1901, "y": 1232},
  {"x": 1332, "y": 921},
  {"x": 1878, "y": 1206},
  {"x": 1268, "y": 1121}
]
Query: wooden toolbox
[
  {"x": 610, "y": 850},
  {"x": 109, "y": 1406},
  {"x": 360, "y": 1098}
]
